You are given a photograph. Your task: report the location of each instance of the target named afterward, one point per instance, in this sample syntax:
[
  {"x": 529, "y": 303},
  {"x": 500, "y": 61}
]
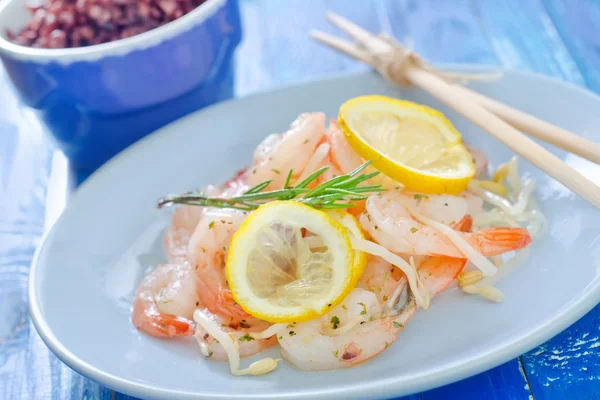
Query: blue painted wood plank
[
  {"x": 568, "y": 365},
  {"x": 524, "y": 37},
  {"x": 253, "y": 71},
  {"x": 121, "y": 396},
  {"x": 28, "y": 370},
  {"x": 505, "y": 382},
  {"x": 578, "y": 23},
  {"x": 277, "y": 49},
  {"x": 294, "y": 56},
  {"x": 448, "y": 31}
]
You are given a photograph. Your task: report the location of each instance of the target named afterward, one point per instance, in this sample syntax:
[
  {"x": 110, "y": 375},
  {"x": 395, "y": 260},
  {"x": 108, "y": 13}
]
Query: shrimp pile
[{"x": 419, "y": 245}]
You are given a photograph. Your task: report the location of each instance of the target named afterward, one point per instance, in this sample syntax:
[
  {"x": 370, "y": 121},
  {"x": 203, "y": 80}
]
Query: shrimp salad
[{"x": 413, "y": 245}]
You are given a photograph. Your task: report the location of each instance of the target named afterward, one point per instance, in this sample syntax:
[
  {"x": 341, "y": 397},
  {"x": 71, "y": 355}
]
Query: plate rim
[{"x": 576, "y": 308}]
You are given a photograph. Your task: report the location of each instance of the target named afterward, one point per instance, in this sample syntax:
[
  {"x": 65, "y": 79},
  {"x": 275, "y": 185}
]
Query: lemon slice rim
[
  {"x": 396, "y": 169},
  {"x": 263, "y": 309},
  {"x": 352, "y": 225}
]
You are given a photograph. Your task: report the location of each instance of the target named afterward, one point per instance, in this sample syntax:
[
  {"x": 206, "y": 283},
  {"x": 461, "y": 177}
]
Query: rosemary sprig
[{"x": 338, "y": 192}]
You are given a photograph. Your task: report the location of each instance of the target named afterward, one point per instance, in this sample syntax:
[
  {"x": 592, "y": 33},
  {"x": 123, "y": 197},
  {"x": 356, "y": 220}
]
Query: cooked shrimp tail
[
  {"x": 464, "y": 225},
  {"x": 163, "y": 325},
  {"x": 437, "y": 273},
  {"x": 165, "y": 301},
  {"x": 495, "y": 241}
]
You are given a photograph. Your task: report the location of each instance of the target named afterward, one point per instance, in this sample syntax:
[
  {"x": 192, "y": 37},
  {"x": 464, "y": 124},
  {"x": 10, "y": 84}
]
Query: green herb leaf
[
  {"x": 286, "y": 185},
  {"x": 335, "y": 321},
  {"x": 246, "y": 338},
  {"x": 397, "y": 325},
  {"x": 338, "y": 192},
  {"x": 364, "y": 310},
  {"x": 419, "y": 197}
]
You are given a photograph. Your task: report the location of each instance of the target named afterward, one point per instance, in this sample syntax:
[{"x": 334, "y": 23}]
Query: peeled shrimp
[
  {"x": 437, "y": 273},
  {"x": 341, "y": 158},
  {"x": 207, "y": 253},
  {"x": 177, "y": 235},
  {"x": 242, "y": 333},
  {"x": 165, "y": 300},
  {"x": 444, "y": 208},
  {"x": 388, "y": 221},
  {"x": 292, "y": 150},
  {"x": 379, "y": 277},
  {"x": 368, "y": 320},
  {"x": 361, "y": 332}
]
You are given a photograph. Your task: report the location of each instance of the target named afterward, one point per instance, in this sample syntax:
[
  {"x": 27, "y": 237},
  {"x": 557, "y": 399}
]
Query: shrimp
[
  {"x": 437, "y": 273},
  {"x": 464, "y": 225},
  {"x": 177, "y": 235},
  {"x": 349, "y": 334},
  {"x": 242, "y": 332},
  {"x": 444, "y": 208},
  {"x": 292, "y": 150},
  {"x": 165, "y": 300},
  {"x": 207, "y": 254},
  {"x": 388, "y": 221},
  {"x": 379, "y": 277},
  {"x": 370, "y": 317},
  {"x": 342, "y": 158}
]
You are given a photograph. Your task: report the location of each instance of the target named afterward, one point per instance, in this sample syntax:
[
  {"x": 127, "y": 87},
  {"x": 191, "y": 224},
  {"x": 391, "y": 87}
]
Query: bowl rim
[{"x": 141, "y": 41}]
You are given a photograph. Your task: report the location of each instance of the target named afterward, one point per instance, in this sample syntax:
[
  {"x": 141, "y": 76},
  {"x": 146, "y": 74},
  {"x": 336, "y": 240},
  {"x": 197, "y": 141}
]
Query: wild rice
[{"x": 78, "y": 23}]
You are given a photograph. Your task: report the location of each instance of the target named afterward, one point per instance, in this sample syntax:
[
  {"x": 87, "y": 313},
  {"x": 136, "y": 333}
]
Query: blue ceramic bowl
[{"x": 97, "y": 100}]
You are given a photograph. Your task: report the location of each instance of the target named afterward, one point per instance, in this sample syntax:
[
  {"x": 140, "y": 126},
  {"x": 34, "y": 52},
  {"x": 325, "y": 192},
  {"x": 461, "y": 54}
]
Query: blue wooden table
[{"x": 553, "y": 37}]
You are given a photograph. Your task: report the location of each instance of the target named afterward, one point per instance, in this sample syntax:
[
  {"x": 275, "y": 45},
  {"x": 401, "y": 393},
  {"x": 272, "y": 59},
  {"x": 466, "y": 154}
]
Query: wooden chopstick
[
  {"x": 536, "y": 127},
  {"x": 529, "y": 124},
  {"x": 469, "y": 106},
  {"x": 507, "y": 134}
]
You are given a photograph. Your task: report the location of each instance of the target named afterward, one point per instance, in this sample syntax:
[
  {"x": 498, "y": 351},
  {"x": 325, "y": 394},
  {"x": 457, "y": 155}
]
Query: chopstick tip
[
  {"x": 330, "y": 15},
  {"x": 318, "y": 35}
]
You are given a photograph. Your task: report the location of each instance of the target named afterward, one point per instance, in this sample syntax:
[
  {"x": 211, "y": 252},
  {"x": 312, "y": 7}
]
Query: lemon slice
[
  {"x": 276, "y": 275},
  {"x": 412, "y": 144},
  {"x": 349, "y": 222}
]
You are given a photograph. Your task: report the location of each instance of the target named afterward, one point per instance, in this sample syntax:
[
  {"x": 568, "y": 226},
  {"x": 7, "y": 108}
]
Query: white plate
[{"x": 85, "y": 271}]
